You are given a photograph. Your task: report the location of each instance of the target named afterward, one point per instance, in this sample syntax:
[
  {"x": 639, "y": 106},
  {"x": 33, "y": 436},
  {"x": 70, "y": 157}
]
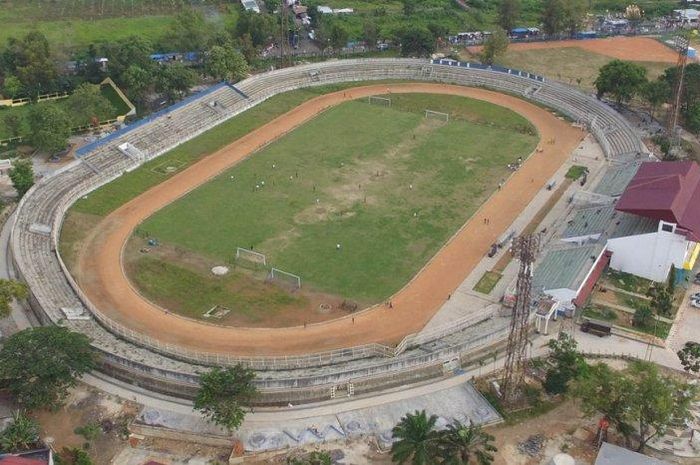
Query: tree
[
  {"x": 568, "y": 362},
  {"x": 417, "y": 42},
  {"x": 134, "y": 51},
  {"x": 508, "y": 14},
  {"x": 73, "y": 456},
  {"x": 12, "y": 87},
  {"x": 13, "y": 121},
  {"x": 370, "y": 33},
  {"x": 137, "y": 81},
  {"x": 655, "y": 93},
  {"x": 606, "y": 392},
  {"x": 314, "y": 458},
  {"x": 415, "y": 439},
  {"x": 49, "y": 127},
  {"x": 22, "y": 434},
  {"x": 661, "y": 299},
  {"x": 692, "y": 118},
  {"x": 29, "y": 59},
  {"x": 11, "y": 290},
  {"x": 574, "y": 14},
  {"x": 553, "y": 16},
  {"x": 643, "y": 317},
  {"x": 39, "y": 365},
  {"x": 495, "y": 46},
  {"x": 222, "y": 394},
  {"x": 690, "y": 357},
  {"x": 459, "y": 444},
  {"x": 338, "y": 36},
  {"x": 621, "y": 79},
  {"x": 260, "y": 27},
  {"x": 690, "y": 92},
  {"x": 657, "y": 401},
  {"x": 88, "y": 103},
  {"x": 22, "y": 177},
  {"x": 225, "y": 63},
  {"x": 409, "y": 7},
  {"x": 189, "y": 32},
  {"x": 175, "y": 80}
]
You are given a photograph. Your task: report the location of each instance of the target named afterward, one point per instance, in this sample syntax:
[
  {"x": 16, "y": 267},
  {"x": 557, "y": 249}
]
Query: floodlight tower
[
  {"x": 525, "y": 248},
  {"x": 285, "y": 52}
]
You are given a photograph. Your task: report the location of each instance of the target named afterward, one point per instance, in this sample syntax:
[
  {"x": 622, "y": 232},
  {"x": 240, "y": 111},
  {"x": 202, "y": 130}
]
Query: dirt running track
[{"x": 108, "y": 287}]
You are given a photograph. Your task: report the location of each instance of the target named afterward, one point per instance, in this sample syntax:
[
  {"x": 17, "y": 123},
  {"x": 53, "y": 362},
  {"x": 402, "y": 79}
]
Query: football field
[{"x": 355, "y": 202}]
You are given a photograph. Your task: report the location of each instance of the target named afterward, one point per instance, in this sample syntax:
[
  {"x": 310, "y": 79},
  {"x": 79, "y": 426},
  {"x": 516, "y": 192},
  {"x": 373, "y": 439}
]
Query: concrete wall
[{"x": 649, "y": 255}]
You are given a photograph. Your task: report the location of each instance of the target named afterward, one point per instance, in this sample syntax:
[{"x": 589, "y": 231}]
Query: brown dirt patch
[
  {"x": 413, "y": 306},
  {"x": 624, "y": 48}
]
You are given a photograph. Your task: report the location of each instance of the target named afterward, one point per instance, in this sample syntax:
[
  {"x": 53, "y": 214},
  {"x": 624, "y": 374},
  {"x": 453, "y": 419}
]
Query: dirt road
[{"x": 108, "y": 287}]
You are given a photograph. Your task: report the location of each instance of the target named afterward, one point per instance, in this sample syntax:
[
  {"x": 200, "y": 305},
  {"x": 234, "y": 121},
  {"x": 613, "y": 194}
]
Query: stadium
[{"x": 395, "y": 338}]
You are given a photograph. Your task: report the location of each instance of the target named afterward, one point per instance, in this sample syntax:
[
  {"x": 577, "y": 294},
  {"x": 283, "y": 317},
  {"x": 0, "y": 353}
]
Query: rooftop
[
  {"x": 610, "y": 454},
  {"x": 564, "y": 268},
  {"x": 615, "y": 179},
  {"x": 589, "y": 221}
]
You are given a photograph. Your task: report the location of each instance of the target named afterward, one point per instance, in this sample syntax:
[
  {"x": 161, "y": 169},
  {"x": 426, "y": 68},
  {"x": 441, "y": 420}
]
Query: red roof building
[
  {"x": 666, "y": 191},
  {"x": 15, "y": 460}
]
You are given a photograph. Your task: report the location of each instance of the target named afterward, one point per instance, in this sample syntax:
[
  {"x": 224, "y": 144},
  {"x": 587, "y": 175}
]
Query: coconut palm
[
  {"x": 460, "y": 444},
  {"x": 416, "y": 440}
]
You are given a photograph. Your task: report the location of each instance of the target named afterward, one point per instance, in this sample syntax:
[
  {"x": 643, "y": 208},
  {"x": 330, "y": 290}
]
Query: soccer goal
[
  {"x": 373, "y": 99},
  {"x": 278, "y": 276},
  {"x": 250, "y": 256},
  {"x": 437, "y": 115}
]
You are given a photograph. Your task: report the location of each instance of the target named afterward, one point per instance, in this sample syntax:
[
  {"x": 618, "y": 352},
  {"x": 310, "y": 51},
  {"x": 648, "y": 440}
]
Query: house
[
  {"x": 610, "y": 454},
  {"x": 33, "y": 457},
  {"x": 664, "y": 200}
]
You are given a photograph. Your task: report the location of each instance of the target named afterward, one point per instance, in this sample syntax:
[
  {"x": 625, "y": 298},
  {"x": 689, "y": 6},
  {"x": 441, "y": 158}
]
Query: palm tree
[
  {"x": 22, "y": 434},
  {"x": 460, "y": 444},
  {"x": 416, "y": 440}
]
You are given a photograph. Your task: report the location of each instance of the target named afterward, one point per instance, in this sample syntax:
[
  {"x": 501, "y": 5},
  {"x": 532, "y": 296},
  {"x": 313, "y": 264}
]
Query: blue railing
[
  {"x": 84, "y": 150},
  {"x": 499, "y": 69}
]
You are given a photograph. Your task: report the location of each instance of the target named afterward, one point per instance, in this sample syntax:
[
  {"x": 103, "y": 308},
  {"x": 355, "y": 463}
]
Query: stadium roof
[{"x": 666, "y": 191}]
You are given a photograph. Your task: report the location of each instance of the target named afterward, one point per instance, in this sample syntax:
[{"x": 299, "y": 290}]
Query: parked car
[
  {"x": 695, "y": 296},
  {"x": 695, "y": 303}
]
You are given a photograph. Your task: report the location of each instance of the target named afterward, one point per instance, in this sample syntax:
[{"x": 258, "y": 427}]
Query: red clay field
[{"x": 108, "y": 287}]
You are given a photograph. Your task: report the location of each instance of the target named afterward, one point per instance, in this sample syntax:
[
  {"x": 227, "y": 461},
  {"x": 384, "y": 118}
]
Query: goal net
[
  {"x": 250, "y": 256},
  {"x": 437, "y": 115},
  {"x": 284, "y": 278},
  {"x": 373, "y": 99}
]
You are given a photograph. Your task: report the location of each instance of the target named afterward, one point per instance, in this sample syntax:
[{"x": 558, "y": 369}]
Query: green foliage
[
  {"x": 39, "y": 365},
  {"x": 643, "y": 317},
  {"x": 13, "y": 121},
  {"x": 49, "y": 127},
  {"x": 12, "y": 87},
  {"x": 87, "y": 103},
  {"x": 175, "y": 80},
  {"x": 460, "y": 444},
  {"x": 130, "y": 62},
  {"x": 10, "y": 290},
  {"x": 690, "y": 92},
  {"x": 621, "y": 79},
  {"x": 661, "y": 299},
  {"x": 508, "y": 14},
  {"x": 415, "y": 439},
  {"x": 575, "y": 172},
  {"x": 20, "y": 435},
  {"x": 416, "y": 42},
  {"x": 671, "y": 286},
  {"x": 314, "y": 458},
  {"x": 655, "y": 93},
  {"x": 22, "y": 176},
  {"x": 73, "y": 456},
  {"x": 689, "y": 356},
  {"x": 568, "y": 362},
  {"x": 189, "y": 31},
  {"x": 29, "y": 60},
  {"x": 222, "y": 394},
  {"x": 692, "y": 118},
  {"x": 223, "y": 62},
  {"x": 260, "y": 28},
  {"x": 89, "y": 431},
  {"x": 495, "y": 46}
]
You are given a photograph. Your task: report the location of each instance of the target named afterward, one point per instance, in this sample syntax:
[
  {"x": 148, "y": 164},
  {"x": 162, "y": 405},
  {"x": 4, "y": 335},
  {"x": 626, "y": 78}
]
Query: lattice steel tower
[
  {"x": 525, "y": 249},
  {"x": 682, "y": 43},
  {"x": 285, "y": 51}
]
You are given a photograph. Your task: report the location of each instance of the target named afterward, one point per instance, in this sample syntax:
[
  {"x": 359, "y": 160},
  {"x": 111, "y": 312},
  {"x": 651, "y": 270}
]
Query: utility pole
[{"x": 682, "y": 43}]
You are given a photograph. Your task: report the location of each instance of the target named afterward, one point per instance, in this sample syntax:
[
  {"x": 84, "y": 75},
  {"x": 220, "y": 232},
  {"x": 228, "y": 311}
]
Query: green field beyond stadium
[{"x": 355, "y": 202}]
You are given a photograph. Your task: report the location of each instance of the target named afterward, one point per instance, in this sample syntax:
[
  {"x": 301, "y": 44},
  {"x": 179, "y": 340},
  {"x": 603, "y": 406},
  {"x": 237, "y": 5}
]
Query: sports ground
[
  {"x": 354, "y": 202},
  {"x": 412, "y": 306}
]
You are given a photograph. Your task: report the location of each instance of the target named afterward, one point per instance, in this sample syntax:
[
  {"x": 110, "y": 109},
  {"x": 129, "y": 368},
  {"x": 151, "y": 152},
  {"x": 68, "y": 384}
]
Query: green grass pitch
[{"x": 387, "y": 184}]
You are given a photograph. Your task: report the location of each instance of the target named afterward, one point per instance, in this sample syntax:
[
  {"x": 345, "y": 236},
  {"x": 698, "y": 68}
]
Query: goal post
[
  {"x": 431, "y": 114},
  {"x": 283, "y": 277},
  {"x": 373, "y": 99},
  {"x": 251, "y": 256}
]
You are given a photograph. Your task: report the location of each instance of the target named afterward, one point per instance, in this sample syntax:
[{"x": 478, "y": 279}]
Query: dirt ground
[
  {"x": 106, "y": 284},
  {"x": 86, "y": 406},
  {"x": 624, "y": 48}
]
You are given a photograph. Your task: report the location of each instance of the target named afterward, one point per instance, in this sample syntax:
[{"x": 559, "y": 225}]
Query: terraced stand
[{"x": 128, "y": 355}]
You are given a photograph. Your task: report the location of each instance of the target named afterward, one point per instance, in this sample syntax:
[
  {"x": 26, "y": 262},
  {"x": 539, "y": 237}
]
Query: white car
[{"x": 695, "y": 303}]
